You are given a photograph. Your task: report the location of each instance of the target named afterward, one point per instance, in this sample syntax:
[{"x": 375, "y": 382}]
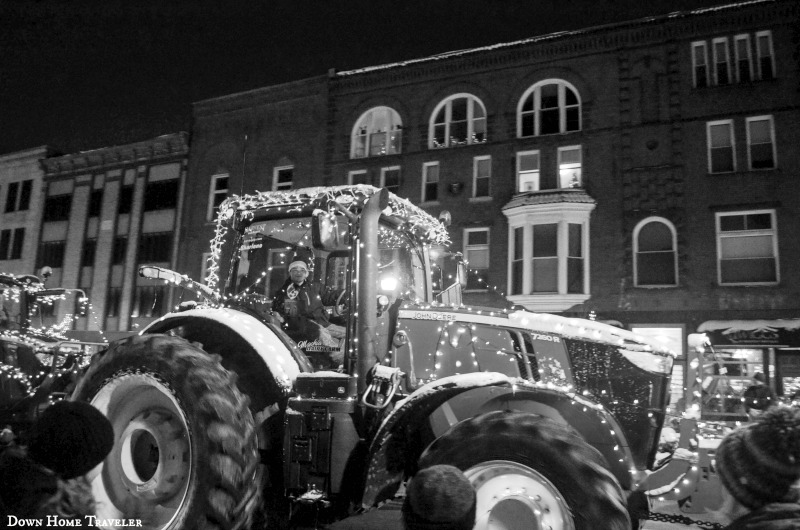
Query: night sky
[{"x": 85, "y": 74}]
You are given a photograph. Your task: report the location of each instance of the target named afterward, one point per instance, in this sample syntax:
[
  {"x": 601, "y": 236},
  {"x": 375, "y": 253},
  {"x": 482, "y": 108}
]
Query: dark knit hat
[
  {"x": 70, "y": 437},
  {"x": 439, "y": 498},
  {"x": 760, "y": 463},
  {"x": 757, "y": 397}
]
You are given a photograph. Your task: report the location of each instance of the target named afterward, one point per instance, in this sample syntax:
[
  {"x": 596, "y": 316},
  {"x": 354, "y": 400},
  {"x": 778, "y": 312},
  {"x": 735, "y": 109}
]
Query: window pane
[
  {"x": 527, "y": 125},
  {"x": 759, "y": 221},
  {"x": 721, "y": 160},
  {"x": 545, "y": 275},
  {"x": 575, "y": 240},
  {"x": 5, "y": 242},
  {"x": 459, "y": 109},
  {"x": 518, "y": 243},
  {"x": 656, "y": 268},
  {"x": 479, "y": 237},
  {"x": 125, "y": 199},
  {"x": 479, "y": 258},
  {"x": 545, "y": 241},
  {"x": 516, "y": 277},
  {"x": 19, "y": 238},
  {"x": 25, "y": 195},
  {"x": 161, "y": 195},
  {"x": 748, "y": 270},
  {"x": 529, "y": 161},
  {"x": 761, "y": 156},
  {"x": 549, "y": 96},
  {"x": 575, "y": 275},
  {"x": 720, "y": 135},
  {"x": 11, "y": 198},
  {"x": 731, "y": 222},
  {"x": 655, "y": 236},
  {"x": 549, "y": 122},
  {"x": 759, "y": 131},
  {"x": 746, "y": 246}
]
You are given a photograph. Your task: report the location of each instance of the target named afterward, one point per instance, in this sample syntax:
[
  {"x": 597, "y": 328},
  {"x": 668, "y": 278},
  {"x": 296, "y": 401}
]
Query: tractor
[{"x": 224, "y": 420}]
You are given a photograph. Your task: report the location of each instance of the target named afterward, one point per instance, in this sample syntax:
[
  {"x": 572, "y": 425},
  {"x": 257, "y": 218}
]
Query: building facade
[
  {"x": 643, "y": 173},
  {"x": 105, "y": 211},
  {"x": 21, "y": 185}
]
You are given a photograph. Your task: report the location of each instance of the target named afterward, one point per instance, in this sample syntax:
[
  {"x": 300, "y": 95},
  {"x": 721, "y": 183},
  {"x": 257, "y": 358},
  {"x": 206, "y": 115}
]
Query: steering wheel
[{"x": 342, "y": 306}]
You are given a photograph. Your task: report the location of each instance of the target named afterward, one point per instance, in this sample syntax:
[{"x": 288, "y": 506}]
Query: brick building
[
  {"x": 644, "y": 173},
  {"x": 20, "y": 208},
  {"x": 104, "y": 212}
]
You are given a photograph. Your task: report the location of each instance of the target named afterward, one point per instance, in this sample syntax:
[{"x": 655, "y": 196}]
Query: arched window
[
  {"x": 458, "y": 120},
  {"x": 549, "y": 107},
  {"x": 377, "y": 132},
  {"x": 655, "y": 262}
]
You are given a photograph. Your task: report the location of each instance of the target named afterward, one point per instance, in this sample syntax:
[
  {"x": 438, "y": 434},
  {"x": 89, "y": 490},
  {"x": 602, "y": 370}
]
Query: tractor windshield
[{"x": 267, "y": 248}]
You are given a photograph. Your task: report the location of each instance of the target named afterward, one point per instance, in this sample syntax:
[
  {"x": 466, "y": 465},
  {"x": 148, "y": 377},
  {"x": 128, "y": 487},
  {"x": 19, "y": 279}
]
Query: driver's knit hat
[{"x": 439, "y": 497}]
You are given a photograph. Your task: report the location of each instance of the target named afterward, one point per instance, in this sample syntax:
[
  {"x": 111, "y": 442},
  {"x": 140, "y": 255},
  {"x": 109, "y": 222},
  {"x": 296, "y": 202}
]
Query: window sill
[
  {"x": 480, "y": 199},
  {"x": 754, "y": 284},
  {"x": 674, "y": 286}
]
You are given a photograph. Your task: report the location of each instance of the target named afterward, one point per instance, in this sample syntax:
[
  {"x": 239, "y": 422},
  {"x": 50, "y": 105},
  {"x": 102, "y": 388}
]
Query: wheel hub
[{"x": 511, "y": 496}]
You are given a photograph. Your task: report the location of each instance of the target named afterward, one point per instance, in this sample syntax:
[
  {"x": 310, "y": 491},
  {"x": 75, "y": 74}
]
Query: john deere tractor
[{"x": 222, "y": 420}]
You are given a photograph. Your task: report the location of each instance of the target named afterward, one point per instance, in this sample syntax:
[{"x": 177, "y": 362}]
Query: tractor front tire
[
  {"x": 185, "y": 453},
  {"x": 531, "y": 472}
]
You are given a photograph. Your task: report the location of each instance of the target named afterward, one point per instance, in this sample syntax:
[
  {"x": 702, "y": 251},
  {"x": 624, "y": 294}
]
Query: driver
[{"x": 299, "y": 305}]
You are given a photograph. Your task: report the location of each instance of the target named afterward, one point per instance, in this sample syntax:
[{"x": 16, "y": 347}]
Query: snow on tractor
[
  {"x": 224, "y": 420},
  {"x": 38, "y": 363}
]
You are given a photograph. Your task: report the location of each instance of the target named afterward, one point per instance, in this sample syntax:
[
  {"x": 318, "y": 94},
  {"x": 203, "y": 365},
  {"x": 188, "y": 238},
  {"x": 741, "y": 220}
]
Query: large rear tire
[
  {"x": 530, "y": 472},
  {"x": 185, "y": 452}
]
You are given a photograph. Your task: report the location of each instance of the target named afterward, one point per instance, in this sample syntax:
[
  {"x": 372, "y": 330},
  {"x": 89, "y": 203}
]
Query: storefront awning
[{"x": 757, "y": 333}]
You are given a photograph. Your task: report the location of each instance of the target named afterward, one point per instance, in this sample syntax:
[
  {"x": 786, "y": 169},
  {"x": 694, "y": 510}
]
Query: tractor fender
[
  {"x": 401, "y": 438},
  {"x": 264, "y": 359}
]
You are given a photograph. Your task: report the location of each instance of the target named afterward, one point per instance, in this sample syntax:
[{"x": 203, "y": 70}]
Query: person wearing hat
[
  {"x": 51, "y": 474},
  {"x": 299, "y": 306},
  {"x": 758, "y": 397},
  {"x": 438, "y": 497},
  {"x": 759, "y": 468}
]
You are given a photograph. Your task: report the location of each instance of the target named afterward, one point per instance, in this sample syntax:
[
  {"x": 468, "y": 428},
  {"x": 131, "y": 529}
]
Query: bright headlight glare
[{"x": 388, "y": 283}]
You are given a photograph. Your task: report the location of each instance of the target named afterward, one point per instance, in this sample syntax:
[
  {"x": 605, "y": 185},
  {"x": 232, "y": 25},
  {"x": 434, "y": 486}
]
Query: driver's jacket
[{"x": 299, "y": 304}]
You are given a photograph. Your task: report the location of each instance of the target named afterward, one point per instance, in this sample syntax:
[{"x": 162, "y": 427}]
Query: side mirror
[
  {"x": 462, "y": 272},
  {"x": 330, "y": 231}
]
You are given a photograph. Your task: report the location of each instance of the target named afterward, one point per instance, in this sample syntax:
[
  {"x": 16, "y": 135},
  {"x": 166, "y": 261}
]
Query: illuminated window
[
  {"x": 377, "y": 132},
  {"x": 458, "y": 120},
  {"x": 569, "y": 167}
]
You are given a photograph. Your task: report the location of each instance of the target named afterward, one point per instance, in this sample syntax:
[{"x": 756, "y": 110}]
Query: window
[
  {"x": 95, "y": 203},
  {"x": 19, "y": 196},
  {"x": 476, "y": 253},
  {"x": 218, "y": 193},
  {"x": 155, "y": 248},
  {"x": 282, "y": 178},
  {"x": 11, "y": 198},
  {"x": 744, "y": 62},
  {"x": 161, "y": 195},
  {"x": 113, "y": 301},
  {"x": 747, "y": 247},
  {"x": 11, "y": 242},
  {"x": 430, "y": 181},
  {"x": 149, "y": 301},
  {"x": 390, "y": 178},
  {"x": 377, "y": 132},
  {"x": 118, "y": 250},
  {"x": 51, "y": 254},
  {"x": 481, "y": 176},
  {"x": 528, "y": 171},
  {"x": 764, "y": 53},
  {"x": 569, "y": 167},
  {"x": 358, "y": 177},
  {"x": 700, "y": 64},
  {"x": 549, "y": 256},
  {"x": 761, "y": 142},
  {"x": 517, "y": 263},
  {"x": 721, "y": 153},
  {"x": 459, "y": 120},
  {"x": 88, "y": 253},
  {"x": 722, "y": 69},
  {"x": 545, "y": 258},
  {"x": 549, "y": 107},
  {"x": 125, "y": 199},
  {"x": 57, "y": 208},
  {"x": 655, "y": 256}
]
